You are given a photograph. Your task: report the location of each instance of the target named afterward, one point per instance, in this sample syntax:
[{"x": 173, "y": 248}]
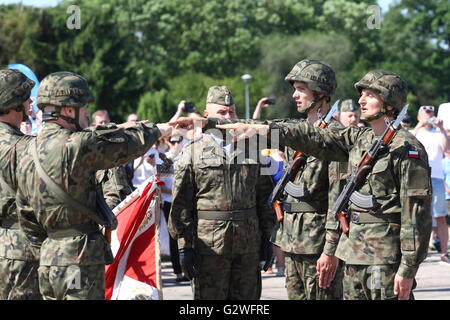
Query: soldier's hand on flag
[{"x": 244, "y": 130}]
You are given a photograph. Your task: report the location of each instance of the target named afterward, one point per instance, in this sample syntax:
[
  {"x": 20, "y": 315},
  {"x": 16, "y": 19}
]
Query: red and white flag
[{"x": 135, "y": 272}]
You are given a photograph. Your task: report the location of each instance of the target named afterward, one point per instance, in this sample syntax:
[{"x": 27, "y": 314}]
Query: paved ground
[{"x": 433, "y": 283}]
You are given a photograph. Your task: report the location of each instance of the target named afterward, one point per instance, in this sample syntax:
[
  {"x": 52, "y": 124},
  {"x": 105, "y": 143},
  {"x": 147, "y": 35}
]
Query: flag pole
[{"x": 157, "y": 243}]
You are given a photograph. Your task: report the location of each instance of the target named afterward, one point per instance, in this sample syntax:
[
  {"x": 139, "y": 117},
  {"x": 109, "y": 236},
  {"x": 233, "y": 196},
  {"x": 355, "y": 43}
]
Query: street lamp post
[{"x": 247, "y": 78}]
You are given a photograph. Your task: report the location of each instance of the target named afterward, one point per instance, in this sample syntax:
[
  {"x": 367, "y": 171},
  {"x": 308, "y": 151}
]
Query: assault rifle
[
  {"x": 359, "y": 175},
  {"x": 286, "y": 184}
]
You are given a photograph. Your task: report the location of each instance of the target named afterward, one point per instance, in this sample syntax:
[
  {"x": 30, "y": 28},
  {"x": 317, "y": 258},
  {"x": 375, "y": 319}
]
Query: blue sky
[{"x": 49, "y": 3}]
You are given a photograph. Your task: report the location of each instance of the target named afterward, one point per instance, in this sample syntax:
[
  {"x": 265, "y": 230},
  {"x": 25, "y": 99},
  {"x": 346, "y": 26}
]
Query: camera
[
  {"x": 432, "y": 120},
  {"x": 269, "y": 101},
  {"x": 188, "y": 107}
]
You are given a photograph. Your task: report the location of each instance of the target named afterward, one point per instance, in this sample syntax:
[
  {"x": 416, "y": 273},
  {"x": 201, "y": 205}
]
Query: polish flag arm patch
[{"x": 413, "y": 154}]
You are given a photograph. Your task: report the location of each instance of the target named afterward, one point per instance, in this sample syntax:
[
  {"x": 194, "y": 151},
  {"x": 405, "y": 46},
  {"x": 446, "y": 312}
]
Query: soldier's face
[
  {"x": 349, "y": 118},
  {"x": 370, "y": 102},
  {"x": 27, "y": 106},
  {"x": 302, "y": 95},
  {"x": 84, "y": 117},
  {"x": 214, "y": 110}
]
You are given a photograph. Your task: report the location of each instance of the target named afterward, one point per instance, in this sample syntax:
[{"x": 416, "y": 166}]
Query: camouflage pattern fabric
[
  {"x": 400, "y": 183},
  {"x": 15, "y": 89},
  {"x": 71, "y": 159},
  {"x": 318, "y": 76},
  {"x": 18, "y": 258},
  {"x": 220, "y": 95},
  {"x": 375, "y": 282},
  {"x": 115, "y": 185},
  {"x": 64, "y": 89},
  {"x": 304, "y": 232},
  {"x": 72, "y": 282},
  {"x": 206, "y": 180},
  {"x": 19, "y": 280},
  {"x": 223, "y": 277},
  {"x": 302, "y": 282}
]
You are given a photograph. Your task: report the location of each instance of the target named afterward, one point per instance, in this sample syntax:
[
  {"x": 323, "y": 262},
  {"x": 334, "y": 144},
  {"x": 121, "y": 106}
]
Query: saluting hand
[
  {"x": 244, "y": 130},
  {"x": 189, "y": 123}
]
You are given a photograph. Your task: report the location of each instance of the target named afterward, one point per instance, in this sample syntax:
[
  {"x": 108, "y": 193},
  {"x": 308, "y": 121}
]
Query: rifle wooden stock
[
  {"x": 342, "y": 218},
  {"x": 278, "y": 210}
]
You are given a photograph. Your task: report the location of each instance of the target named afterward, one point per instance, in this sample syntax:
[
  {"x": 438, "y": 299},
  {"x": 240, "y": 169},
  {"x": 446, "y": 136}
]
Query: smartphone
[
  {"x": 270, "y": 101},
  {"x": 188, "y": 107}
]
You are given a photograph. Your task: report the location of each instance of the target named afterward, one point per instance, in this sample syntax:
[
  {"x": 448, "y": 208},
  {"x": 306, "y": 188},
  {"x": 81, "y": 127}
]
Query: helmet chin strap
[
  {"x": 54, "y": 115},
  {"x": 375, "y": 116},
  {"x": 312, "y": 105}
]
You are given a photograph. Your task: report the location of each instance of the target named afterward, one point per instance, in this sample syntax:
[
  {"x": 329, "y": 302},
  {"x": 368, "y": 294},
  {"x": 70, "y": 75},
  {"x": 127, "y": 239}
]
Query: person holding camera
[
  {"x": 262, "y": 103},
  {"x": 431, "y": 133}
]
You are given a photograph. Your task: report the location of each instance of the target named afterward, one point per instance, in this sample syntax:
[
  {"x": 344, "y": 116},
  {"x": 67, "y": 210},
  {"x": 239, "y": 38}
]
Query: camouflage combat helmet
[
  {"x": 220, "y": 95},
  {"x": 391, "y": 88},
  {"x": 15, "y": 89},
  {"x": 318, "y": 75},
  {"x": 348, "y": 106},
  {"x": 64, "y": 89}
]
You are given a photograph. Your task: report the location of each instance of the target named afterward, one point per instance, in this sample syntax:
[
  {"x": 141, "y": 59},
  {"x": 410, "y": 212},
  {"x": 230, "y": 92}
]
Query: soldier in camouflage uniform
[
  {"x": 74, "y": 253},
  {"x": 18, "y": 260},
  {"x": 386, "y": 244},
  {"x": 301, "y": 234},
  {"x": 220, "y": 216}
]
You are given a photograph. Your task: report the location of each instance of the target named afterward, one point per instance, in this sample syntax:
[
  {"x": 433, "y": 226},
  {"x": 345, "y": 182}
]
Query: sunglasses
[
  {"x": 427, "y": 108},
  {"x": 151, "y": 155}
]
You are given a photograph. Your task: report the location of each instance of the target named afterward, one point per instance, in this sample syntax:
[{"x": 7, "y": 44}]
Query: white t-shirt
[
  {"x": 444, "y": 114},
  {"x": 432, "y": 141}
]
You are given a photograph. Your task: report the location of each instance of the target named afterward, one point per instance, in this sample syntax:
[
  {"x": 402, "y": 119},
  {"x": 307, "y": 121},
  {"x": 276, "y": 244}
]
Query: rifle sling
[
  {"x": 291, "y": 207},
  {"x": 59, "y": 192}
]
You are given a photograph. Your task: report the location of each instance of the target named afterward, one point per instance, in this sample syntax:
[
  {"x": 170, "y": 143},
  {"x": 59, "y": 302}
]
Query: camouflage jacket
[
  {"x": 13, "y": 242},
  {"x": 400, "y": 183},
  {"x": 71, "y": 159},
  {"x": 304, "y": 232},
  {"x": 114, "y": 184},
  {"x": 206, "y": 180}
]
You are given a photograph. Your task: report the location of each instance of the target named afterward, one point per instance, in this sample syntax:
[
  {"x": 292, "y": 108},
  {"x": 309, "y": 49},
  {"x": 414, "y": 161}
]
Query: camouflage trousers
[
  {"x": 72, "y": 282},
  {"x": 371, "y": 282},
  {"x": 19, "y": 280},
  {"x": 224, "y": 277},
  {"x": 302, "y": 282}
]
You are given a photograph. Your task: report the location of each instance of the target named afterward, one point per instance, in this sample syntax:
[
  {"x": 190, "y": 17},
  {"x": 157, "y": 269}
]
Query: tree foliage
[{"x": 147, "y": 55}]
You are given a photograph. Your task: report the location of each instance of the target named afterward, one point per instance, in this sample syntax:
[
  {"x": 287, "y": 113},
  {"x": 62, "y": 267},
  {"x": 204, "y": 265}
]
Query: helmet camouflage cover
[
  {"x": 64, "y": 89},
  {"x": 318, "y": 76},
  {"x": 391, "y": 88},
  {"x": 15, "y": 89}
]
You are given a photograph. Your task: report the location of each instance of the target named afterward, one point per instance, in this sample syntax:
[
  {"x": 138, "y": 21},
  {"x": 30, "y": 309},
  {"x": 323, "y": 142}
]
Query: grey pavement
[{"x": 433, "y": 283}]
